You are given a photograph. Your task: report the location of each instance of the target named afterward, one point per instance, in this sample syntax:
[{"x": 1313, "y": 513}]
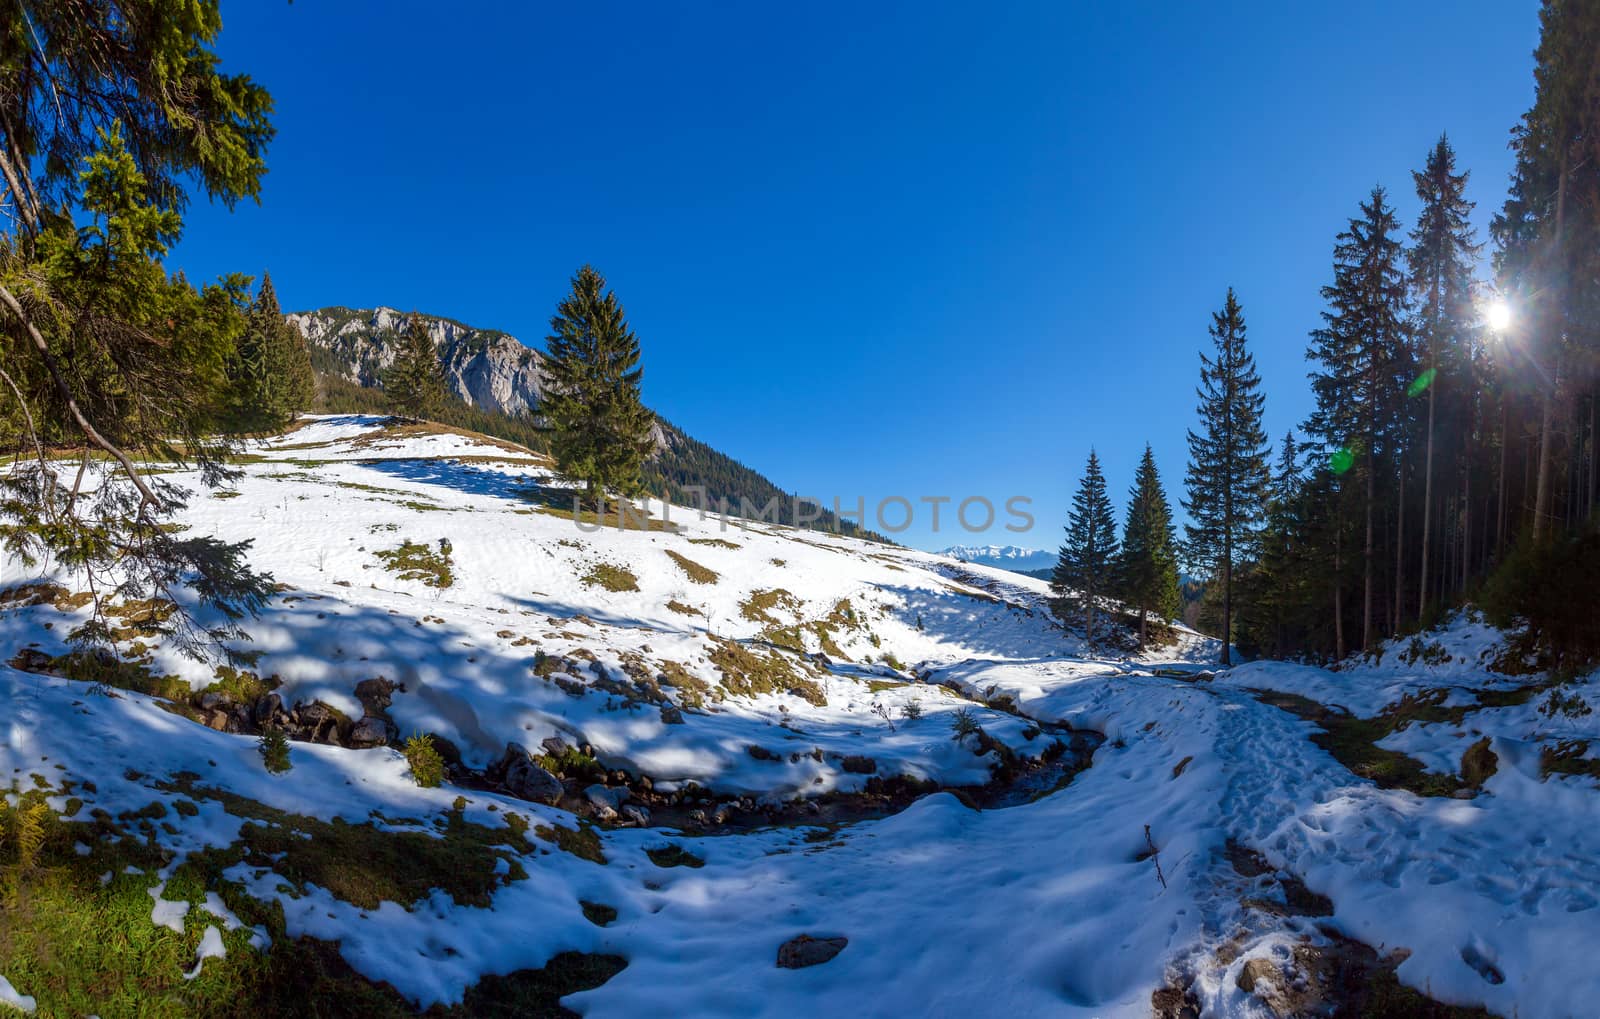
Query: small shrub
[
  {"x": 1570, "y": 705},
  {"x": 274, "y": 750},
  {"x": 427, "y": 767},
  {"x": 964, "y": 723},
  {"x": 911, "y": 710}
]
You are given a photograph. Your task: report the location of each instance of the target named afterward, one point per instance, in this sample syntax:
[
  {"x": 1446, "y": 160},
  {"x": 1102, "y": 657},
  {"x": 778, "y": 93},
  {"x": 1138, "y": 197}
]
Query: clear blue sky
[{"x": 870, "y": 248}]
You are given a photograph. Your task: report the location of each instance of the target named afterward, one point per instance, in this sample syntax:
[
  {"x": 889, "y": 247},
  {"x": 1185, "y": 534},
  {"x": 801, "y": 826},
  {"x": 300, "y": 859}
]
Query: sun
[{"x": 1498, "y": 316}]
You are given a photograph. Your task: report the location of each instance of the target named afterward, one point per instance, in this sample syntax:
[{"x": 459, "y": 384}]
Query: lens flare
[
  {"x": 1341, "y": 460},
  {"x": 1498, "y": 316},
  {"x": 1421, "y": 383}
]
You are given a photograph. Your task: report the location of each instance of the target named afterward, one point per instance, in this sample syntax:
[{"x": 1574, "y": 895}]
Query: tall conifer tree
[
  {"x": 1147, "y": 573},
  {"x": 415, "y": 380},
  {"x": 1086, "y": 566},
  {"x": 602, "y": 431},
  {"x": 1364, "y": 368},
  {"x": 1440, "y": 263},
  {"x": 1227, "y": 476}
]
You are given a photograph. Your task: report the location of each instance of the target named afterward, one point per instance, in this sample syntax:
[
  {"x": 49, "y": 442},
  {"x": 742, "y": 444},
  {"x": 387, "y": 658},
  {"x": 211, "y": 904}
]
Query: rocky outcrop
[
  {"x": 523, "y": 778},
  {"x": 486, "y": 368}
]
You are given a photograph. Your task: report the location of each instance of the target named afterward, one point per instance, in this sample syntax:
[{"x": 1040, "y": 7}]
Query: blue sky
[{"x": 886, "y": 249}]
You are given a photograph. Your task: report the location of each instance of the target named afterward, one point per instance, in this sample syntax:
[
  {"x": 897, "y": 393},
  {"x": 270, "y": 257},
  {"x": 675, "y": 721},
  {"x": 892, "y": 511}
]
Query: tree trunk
[
  {"x": 1541, "y": 499},
  {"x": 1338, "y": 592},
  {"x": 1427, "y": 508},
  {"x": 1366, "y": 557},
  {"x": 1400, "y": 546},
  {"x": 1227, "y": 597}
]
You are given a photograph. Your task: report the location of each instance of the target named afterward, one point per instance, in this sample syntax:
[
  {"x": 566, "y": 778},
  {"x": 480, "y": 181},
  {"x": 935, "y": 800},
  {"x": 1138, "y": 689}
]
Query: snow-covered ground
[{"x": 1082, "y": 902}]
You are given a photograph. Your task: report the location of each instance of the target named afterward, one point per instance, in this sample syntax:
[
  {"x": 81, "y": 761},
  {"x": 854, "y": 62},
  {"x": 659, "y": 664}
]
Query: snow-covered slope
[{"x": 767, "y": 696}]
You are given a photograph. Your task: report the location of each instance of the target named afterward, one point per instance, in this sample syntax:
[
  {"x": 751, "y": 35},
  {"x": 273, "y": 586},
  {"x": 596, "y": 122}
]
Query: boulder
[
  {"x": 524, "y": 779},
  {"x": 607, "y": 802},
  {"x": 369, "y": 732},
  {"x": 267, "y": 708},
  {"x": 805, "y": 950},
  {"x": 671, "y": 714},
  {"x": 761, "y": 753},
  {"x": 555, "y": 746},
  {"x": 637, "y": 814},
  {"x": 376, "y": 694},
  {"x": 30, "y": 659}
]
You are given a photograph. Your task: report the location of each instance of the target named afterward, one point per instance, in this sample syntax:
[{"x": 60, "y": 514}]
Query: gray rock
[
  {"x": 797, "y": 953},
  {"x": 369, "y": 732},
  {"x": 267, "y": 708},
  {"x": 524, "y": 779},
  {"x": 670, "y": 714},
  {"x": 637, "y": 814},
  {"x": 555, "y": 746},
  {"x": 607, "y": 801}
]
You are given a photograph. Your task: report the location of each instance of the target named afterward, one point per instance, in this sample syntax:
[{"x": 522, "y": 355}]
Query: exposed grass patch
[
  {"x": 632, "y": 520},
  {"x": 612, "y": 577},
  {"x": 714, "y": 542},
  {"x": 1353, "y": 741},
  {"x": 674, "y": 856},
  {"x": 598, "y": 913},
  {"x": 683, "y": 610},
  {"x": 747, "y": 674},
  {"x": 1568, "y": 758},
  {"x": 758, "y": 607},
  {"x": 693, "y": 692},
  {"x": 693, "y": 570},
  {"x": 880, "y": 685},
  {"x": 412, "y": 560},
  {"x": 583, "y": 842}
]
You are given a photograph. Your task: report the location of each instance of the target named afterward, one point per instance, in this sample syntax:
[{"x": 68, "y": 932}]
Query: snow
[
  {"x": 1046, "y": 907},
  {"x": 9, "y": 996},
  {"x": 211, "y": 947}
]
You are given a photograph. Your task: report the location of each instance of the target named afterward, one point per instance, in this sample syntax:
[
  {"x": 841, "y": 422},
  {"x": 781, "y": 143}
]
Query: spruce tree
[
  {"x": 1227, "y": 474},
  {"x": 1440, "y": 262},
  {"x": 602, "y": 432},
  {"x": 415, "y": 380},
  {"x": 108, "y": 119},
  {"x": 1086, "y": 567},
  {"x": 1364, "y": 366},
  {"x": 270, "y": 373},
  {"x": 1147, "y": 571}
]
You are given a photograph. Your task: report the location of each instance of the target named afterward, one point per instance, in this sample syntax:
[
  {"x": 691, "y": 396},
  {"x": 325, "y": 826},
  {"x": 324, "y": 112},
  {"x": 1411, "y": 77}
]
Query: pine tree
[
  {"x": 415, "y": 380},
  {"x": 1147, "y": 571},
  {"x": 1227, "y": 474},
  {"x": 1086, "y": 567},
  {"x": 1365, "y": 366},
  {"x": 1440, "y": 263},
  {"x": 602, "y": 432}
]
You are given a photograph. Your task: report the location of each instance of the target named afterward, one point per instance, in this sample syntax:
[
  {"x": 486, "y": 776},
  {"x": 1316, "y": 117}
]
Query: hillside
[
  {"x": 681, "y": 760},
  {"x": 498, "y": 381}
]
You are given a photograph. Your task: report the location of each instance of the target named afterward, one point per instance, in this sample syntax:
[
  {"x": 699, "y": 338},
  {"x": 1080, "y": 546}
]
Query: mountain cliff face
[{"x": 485, "y": 367}]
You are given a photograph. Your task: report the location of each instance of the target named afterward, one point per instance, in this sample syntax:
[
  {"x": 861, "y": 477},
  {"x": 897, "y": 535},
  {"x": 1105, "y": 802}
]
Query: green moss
[
  {"x": 612, "y": 577},
  {"x": 1353, "y": 741},
  {"x": 239, "y": 686},
  {"x": 693, "y": 692},
  {"x": 758, "y": 607}
]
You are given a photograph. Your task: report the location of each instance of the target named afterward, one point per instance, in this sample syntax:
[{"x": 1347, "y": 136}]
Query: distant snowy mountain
[{"x": 1005, "y": 557}]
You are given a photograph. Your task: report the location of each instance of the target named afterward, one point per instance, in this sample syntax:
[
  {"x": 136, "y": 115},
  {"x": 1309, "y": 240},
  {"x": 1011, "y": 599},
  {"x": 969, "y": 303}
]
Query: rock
[
  {"x": 721, "y": 814},
  {"x": 1255, "y": 971},
  {"x": 369, "y": 732},
  {"x": 267, "y": 708},
  {"x": 797, "y": 953},
  {"x": 320, "y": 722},
  {"x": 376, "y": 694},
  {"x": 555, "y": 746},
  {"x": 216, "y": 719},
  {"x": 607, "y": 802},
  {"x": 524, "y": 779},
  {"x": 637, "y": 814},
  {"x": 211, "y": 699},
  {"x": 761, "y": 753},
  {"x": 670, "y": 714},
  {"x": 858, "y": 765}
]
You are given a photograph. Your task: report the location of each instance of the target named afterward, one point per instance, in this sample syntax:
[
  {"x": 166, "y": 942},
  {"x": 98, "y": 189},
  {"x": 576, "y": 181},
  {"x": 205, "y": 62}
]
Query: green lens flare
[
  {"x": 1341, "y": 460},
  {"x": 1422, "y": 382}
]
